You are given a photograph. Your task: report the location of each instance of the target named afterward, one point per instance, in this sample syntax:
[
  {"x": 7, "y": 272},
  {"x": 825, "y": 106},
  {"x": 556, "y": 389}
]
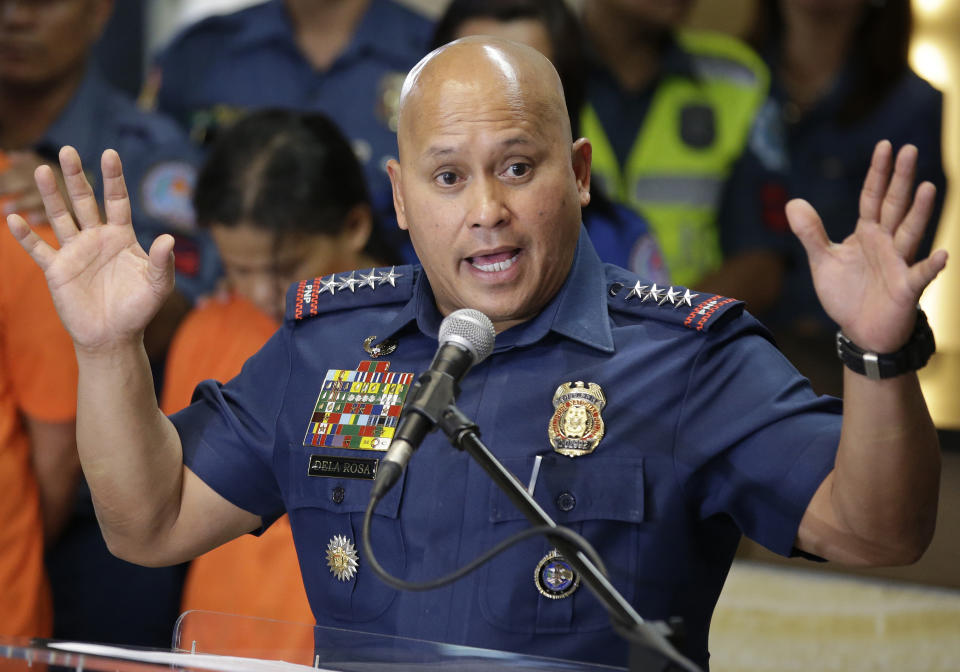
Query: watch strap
[{"x": 875, "y": 366}]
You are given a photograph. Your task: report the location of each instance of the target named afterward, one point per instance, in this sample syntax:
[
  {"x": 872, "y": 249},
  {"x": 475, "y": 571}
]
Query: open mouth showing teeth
[{"x": 494, "y": 263}]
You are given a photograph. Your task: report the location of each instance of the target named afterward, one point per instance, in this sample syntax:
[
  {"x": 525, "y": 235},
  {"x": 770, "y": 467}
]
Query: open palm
[
  {"x": 105, "y": 287},
  {"x": 869, "y": 283}
]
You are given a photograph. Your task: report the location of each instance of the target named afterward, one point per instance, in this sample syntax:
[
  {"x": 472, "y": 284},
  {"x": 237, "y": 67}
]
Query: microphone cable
[{"x": 564, "y": 533}]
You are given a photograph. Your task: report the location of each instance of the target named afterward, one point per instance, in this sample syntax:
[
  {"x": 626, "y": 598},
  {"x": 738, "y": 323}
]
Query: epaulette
[
  {"x": 353, "y": 289},
  {"x": 699, "y": 311}
]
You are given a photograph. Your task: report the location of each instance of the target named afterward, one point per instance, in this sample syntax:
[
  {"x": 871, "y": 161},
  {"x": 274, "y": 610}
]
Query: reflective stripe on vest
[{"x": 678, "y": 184}]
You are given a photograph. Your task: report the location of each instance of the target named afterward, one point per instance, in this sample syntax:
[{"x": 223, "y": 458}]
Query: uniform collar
[
  {"x": 78, "y": 123},
  {"x": 578, "y": 311},
  {"x": 377, "y": 31}
]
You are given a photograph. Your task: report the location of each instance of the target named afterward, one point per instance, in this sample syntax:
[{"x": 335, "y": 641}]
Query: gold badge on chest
[{"x": 576, "y": 426}]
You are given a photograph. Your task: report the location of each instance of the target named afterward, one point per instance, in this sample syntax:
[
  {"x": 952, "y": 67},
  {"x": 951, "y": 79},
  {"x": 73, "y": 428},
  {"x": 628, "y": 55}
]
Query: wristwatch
[{"x": 912, "y": 356}]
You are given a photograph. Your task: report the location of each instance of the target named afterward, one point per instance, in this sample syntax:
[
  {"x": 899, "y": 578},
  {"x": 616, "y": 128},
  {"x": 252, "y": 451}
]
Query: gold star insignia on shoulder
[{"x": 342, "y": 558}]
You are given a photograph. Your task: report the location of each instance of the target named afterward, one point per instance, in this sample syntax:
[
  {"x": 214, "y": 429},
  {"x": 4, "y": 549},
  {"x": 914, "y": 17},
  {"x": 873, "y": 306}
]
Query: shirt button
[
  {"x": 615, "y": 287},
  {"x": 337, "y": 495},
  {"x": 566, "y": 501}
]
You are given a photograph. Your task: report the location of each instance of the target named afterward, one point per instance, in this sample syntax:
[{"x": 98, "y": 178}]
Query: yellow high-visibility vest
[{"x": 677, "y": 183}]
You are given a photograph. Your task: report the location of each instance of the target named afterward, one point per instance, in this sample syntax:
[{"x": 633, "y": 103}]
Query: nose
[{"x": 488, "y": 208}]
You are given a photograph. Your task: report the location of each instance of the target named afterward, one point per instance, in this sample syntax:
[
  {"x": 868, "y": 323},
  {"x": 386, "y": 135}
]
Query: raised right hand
[{"x": 105, "y": 287}]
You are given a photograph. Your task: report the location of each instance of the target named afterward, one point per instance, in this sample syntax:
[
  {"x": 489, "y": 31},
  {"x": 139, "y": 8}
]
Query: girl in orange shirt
[{"x": 284, "y": 197}]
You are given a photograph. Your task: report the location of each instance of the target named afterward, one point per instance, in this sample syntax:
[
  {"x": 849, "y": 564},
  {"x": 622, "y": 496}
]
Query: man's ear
[
  {"x": 582, "y": 156},
  {"x": 393, "y": 170}
]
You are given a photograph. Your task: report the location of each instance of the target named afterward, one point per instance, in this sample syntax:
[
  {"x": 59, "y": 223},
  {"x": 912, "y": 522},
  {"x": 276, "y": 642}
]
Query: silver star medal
[
  {"x": 369, "y": 279},
  {"x": 342, "y": 558},
  {"x": 390, "y": 277},
  {"x": 328, "y": 285},
  {"x": 637, "y": 291},
  {"x": 349, "y": 282}
]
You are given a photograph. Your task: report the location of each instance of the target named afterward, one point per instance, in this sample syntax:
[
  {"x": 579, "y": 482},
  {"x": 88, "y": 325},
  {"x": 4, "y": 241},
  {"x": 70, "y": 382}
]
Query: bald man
[{"x": 696, "y": 430}]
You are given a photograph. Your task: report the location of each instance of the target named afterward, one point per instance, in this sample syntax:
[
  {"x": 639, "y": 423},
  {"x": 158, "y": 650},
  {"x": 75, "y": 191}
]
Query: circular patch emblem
[{"x": 554, "y": 577}]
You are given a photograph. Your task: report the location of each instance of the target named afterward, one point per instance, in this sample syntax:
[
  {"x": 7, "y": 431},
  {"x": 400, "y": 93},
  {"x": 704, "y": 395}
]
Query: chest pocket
[
  {"x": 599, "y": 497},
  {"x": 323, "y": 508}
]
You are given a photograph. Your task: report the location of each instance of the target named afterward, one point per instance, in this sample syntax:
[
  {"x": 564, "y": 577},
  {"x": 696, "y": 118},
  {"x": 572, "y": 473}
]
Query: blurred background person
[
  {"x": 620, "y": 235},
  {"x": 346, "y": 58},
  {"x": 679, "y": 132},
  {"x": 51, "y": 95},
  {"x": 285, "y": 199},
  {"x": 840, "y": 81}
]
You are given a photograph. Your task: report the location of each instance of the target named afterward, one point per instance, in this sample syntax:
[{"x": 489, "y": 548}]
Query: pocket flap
[{"x": 592, "y": 487}]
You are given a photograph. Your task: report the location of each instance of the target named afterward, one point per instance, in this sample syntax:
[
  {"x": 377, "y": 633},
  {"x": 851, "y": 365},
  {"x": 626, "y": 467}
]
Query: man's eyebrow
[{"x": 439, "y": 151}]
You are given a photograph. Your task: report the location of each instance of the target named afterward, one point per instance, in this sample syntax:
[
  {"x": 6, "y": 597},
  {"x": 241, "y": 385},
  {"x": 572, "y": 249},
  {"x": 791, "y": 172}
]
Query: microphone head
[{"x": 471, "y": 330}]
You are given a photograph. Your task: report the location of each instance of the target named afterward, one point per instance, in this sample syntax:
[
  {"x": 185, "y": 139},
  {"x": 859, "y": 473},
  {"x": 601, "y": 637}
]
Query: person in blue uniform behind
[
  {"x": 54, "y": 95},
  {"x": 835, "y": 94},
  {"x": 666, "y": 422},
  {"x": 345, "y": 59}
]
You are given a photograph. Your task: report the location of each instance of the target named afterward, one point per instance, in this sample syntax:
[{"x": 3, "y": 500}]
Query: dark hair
[
  {"x": 562, "y": 26},
  {"x": 287, "y": 172},
  {"x": 878, "y": 55}
]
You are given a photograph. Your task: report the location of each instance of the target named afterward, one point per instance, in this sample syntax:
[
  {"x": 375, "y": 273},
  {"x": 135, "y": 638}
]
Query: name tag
[{"x": 343, "y": 467}]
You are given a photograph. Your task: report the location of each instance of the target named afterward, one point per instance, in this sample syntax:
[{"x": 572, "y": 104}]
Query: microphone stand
[{"x": 650, "y": 650}]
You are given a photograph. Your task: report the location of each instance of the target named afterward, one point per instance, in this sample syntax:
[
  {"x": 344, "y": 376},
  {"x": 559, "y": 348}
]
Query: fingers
[
  {"x": 116, "y": 200},
  {"x": 36, "y": 247},
  {"x": 808, "y": 227},
  {"x": 923, "y": 272},
  {"x": 900, "y": 190},
  {"x": 79, "y": 190},
  {"x": 875, "y": 184},
  {"x": 907, "y": 237},
  {"x": 160, "y": 268},
  {"x": 57, "y": 212}
]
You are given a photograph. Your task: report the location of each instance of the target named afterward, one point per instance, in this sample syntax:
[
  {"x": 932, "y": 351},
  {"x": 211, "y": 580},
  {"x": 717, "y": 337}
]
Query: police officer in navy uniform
[
  {"x": 346, "y": 59},
  {"x": 665, "y": 422},
  {"x": 53, "y": 95}
]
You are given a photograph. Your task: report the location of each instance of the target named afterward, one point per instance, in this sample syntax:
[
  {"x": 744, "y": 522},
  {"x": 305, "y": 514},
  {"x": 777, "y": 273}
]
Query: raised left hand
[{"x": 869, "y": 284}]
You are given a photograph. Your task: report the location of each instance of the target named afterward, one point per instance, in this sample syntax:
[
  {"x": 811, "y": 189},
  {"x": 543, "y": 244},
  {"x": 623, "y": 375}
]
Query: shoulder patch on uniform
[
  {"x": 166, "y": 192},
  {"x": 698, "y": 311},
  {"x": 353, "y": 289}
]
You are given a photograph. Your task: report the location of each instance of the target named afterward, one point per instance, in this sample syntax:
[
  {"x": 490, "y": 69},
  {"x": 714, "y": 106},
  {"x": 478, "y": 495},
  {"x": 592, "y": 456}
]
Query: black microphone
[{"x": 466, "y": 338}]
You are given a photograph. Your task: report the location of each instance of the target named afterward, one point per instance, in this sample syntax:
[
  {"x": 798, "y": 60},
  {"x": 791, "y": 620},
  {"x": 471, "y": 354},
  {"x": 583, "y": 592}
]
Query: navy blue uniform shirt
[
  {"x": 159, "y": 166},
  {"x": 708, "y": 431},
  {"x": 249, "y": 59}
]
